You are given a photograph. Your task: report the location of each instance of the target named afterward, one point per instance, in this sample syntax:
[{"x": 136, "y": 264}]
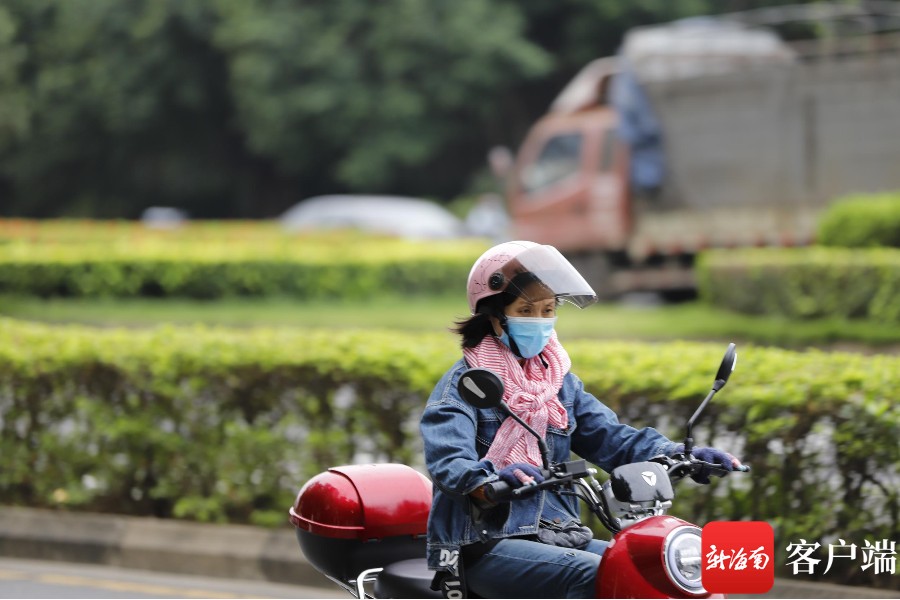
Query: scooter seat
[{"x": 406, "y": 579}]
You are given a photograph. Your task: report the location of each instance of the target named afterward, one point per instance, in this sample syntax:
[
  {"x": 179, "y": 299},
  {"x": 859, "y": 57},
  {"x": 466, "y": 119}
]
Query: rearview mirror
[
  {"x": 481, "y": 388},
  {"x": 729, "y": 361}
]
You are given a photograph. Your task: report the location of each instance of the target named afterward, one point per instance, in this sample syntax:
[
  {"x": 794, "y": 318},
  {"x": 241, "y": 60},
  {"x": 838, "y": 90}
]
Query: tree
[
  {"x": 234, "y": 108},
  {"x": 239, "y": 108},
  {"x": 368, "y": 93},
  {"x": 126, "y": 109}
]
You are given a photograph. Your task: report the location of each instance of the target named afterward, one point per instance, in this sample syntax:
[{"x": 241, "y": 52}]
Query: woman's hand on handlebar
[
  {"x": 519, "y": 474},
  {"x": 714, "y": 462},
  {"x": 518, "y": 480}
]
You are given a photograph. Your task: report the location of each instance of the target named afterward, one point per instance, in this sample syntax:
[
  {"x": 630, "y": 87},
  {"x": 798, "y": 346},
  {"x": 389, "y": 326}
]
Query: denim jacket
[{"x": 457, "y": 437}]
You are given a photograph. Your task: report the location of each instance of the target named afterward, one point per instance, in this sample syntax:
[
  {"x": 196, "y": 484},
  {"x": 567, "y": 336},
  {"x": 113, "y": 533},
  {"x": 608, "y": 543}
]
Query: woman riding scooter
[{"x": 533, "y": 547}]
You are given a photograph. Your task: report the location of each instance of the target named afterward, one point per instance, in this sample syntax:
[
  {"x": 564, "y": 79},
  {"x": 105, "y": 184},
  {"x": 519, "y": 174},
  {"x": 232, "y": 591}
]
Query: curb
[
  {"x": 227, "y": 551},
  {"x": 231, "y": 551}
]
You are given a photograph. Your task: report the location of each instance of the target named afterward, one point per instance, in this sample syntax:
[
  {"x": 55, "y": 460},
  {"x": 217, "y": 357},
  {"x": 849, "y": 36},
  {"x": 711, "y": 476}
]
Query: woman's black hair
[{"x": 475, "y": 328}]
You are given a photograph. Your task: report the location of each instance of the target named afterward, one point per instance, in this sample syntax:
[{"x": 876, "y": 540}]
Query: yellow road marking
[{"x": 118, "y": 586}]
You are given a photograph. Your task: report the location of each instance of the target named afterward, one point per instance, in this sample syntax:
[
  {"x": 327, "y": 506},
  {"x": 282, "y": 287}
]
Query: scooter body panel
[
  {"x": 357, "y": 517},
  {"x": 633, "y": 566}
]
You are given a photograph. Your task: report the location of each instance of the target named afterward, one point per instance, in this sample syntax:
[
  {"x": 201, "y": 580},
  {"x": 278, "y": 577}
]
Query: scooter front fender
[{"x": 633, "y": 565}]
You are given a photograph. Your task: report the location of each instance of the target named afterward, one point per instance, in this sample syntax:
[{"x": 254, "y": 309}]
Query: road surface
[{"x": 50, "y": 579}]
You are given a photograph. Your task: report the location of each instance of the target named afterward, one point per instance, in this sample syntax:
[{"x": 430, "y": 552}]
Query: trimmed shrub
[
  {"x": 862, "y": 221},
  {"x": 199, "y": 423},
  {"x": 226, "y": 425},
  {"x": 818, "y": 429},
  {"x": 304, "y": 269},
  {"x": 122, "y": 232},
  {"x": 803, "y": 283}
]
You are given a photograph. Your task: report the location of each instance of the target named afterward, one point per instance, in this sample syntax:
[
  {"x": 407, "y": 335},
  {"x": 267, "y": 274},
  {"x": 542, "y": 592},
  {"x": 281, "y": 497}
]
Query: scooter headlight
[{"x": 682, "y": 553}]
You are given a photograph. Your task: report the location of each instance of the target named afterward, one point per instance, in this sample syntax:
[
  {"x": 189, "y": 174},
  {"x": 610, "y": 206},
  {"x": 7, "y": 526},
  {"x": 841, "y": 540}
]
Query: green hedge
[
  {"x": 199, "y": 423},
  {"x": 303, "y": 269},
  {"x": 862, "y": 221},
  {"x": 120, "y": 231},
  {"x": 226, "y": 425},
  {"x": 818, "y": 429},
  {"x": 804, "y": 283}
]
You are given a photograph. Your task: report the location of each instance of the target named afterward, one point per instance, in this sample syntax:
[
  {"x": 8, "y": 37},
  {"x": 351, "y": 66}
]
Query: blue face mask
[{"x": 530, "y": 333}]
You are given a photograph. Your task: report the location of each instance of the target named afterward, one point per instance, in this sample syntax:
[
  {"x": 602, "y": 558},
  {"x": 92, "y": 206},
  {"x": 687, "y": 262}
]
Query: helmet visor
[{"x": 556, "y": 275}]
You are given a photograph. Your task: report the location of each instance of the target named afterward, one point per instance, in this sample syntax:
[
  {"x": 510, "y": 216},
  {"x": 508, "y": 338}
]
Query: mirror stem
[
  {"x": 542, "y": 445},
  {"x": 689, "y": 440}
]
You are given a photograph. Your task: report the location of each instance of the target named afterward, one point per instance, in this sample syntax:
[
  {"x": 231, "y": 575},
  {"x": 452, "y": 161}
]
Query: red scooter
[{"x": 365, "y": 525}]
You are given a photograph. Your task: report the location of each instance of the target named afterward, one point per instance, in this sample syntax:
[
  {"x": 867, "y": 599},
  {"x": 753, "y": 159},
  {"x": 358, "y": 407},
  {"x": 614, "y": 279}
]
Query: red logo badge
[{"x": 738, "y": 557}]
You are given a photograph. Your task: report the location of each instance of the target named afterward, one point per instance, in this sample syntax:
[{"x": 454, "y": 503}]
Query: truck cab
[
  {"x": 570, "y": 183},
  {"x": 570, "y": 187}
]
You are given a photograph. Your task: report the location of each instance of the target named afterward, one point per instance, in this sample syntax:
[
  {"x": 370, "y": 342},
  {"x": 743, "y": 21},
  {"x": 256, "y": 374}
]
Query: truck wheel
[{"x": 678, "y": 295}]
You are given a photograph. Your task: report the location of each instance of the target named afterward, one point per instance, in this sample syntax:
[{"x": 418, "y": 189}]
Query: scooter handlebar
[
  {"x": 679, "y": 467},
  {"x": 500, "y": 491},
  {"x": 718, "y": 470}
]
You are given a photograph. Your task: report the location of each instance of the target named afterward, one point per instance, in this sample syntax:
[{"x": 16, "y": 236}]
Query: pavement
[{"x": 228, "y": 551}]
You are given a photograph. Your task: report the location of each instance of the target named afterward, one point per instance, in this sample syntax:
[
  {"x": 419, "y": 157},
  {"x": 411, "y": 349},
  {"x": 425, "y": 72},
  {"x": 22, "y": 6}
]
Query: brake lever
[
  {"x": 718, "y": 470},
  {"x": 679, "y": 469},
  {"x": 688, "y": 467},
  {"x": 553, "y": 480}
]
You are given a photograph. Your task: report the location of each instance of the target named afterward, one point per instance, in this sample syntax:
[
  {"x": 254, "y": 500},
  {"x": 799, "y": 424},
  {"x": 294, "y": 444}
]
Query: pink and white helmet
[{"x": 496, "y": 268}]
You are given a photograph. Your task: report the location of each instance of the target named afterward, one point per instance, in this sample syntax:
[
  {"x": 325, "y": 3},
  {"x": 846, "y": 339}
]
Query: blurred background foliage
[
  {"x": 240, "y": 108},
  {"x": 236, "y": 110}
]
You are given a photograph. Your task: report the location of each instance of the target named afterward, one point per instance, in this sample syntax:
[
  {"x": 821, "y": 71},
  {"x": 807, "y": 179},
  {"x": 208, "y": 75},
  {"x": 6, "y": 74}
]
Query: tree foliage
[
  {"x": 367, "y": 91},
  {"x": 239, "y": 108}
]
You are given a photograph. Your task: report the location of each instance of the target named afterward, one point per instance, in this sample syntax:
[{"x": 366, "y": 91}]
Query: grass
[{"x": 691, "y": 320}]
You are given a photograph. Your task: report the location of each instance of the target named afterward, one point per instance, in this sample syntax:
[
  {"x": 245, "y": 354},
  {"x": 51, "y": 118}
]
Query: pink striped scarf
[{"x": 531, "y": 393}]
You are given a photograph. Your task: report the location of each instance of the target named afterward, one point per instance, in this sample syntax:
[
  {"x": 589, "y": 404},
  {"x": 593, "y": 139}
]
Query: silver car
[{"x": 410, "y": 218}]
